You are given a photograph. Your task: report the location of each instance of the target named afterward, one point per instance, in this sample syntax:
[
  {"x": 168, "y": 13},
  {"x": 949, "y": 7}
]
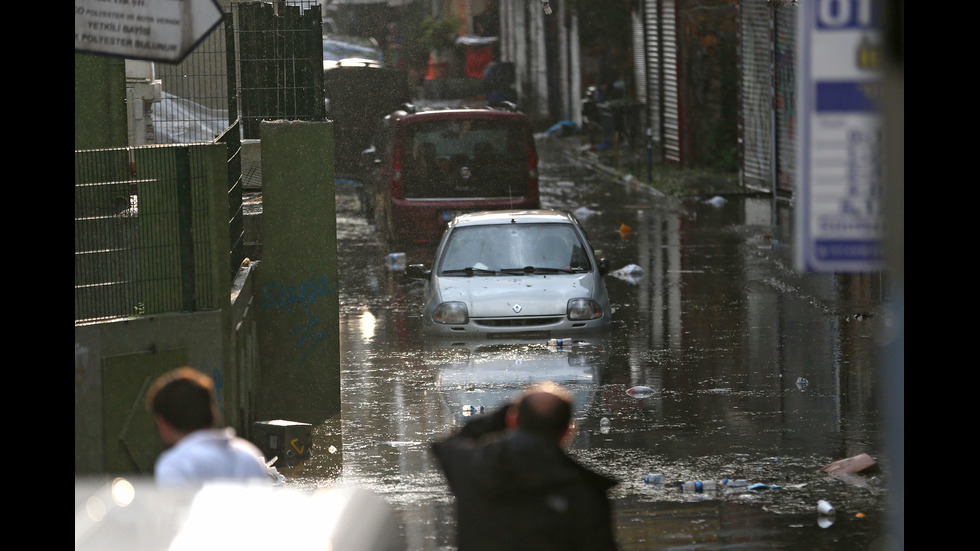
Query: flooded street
[{"x": 753, "y": 372}]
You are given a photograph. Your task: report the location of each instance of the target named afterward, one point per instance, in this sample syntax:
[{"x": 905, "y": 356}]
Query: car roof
[
  {"x": 410, "y": 112},
  {"x": 351, "y": 62},
  {"x": 484, "y": 218},
  {"x": 338, "y": 47}
]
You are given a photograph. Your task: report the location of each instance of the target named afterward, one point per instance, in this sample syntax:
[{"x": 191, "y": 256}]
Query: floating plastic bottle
[
  {"x": 640, "y": 392},
  {"x": 717, "y": 201},
  {"x": 396, "y": 261},
  {"x": 739, "y": 483},
  {"x": 760, "y": 486},
  {"x": 559, "y": 343},
  {"x": 653, "y": 478},
  {"x": 699, "y": 486},
  {"x": 604, "y": 425}
]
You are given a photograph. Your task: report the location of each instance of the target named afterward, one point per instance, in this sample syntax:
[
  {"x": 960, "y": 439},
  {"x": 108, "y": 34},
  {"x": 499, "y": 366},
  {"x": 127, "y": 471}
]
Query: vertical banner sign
[{"x": 839, "y": 224}]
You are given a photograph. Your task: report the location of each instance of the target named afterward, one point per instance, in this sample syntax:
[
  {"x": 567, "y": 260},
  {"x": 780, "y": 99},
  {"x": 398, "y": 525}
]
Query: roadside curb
[{"x": 591, "y": 160}]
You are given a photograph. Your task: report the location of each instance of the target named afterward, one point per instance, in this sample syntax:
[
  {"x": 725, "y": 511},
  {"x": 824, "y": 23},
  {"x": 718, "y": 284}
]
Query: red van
[{"x": 430, "y": 165}]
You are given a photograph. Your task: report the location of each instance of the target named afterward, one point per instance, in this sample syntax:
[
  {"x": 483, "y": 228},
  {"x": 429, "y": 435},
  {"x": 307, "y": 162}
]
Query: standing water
[{"x": 722, "y": 364}]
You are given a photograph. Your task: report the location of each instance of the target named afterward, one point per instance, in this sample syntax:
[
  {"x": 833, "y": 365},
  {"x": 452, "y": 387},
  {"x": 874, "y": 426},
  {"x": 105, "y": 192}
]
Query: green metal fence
[
  {"x": 266, "y": 65},
  {"x": 139, "y": 238},
  {"x": 236, "y": 215},
  {"x": 280, "y": 63},
  {"x": 143, "y": 241}
]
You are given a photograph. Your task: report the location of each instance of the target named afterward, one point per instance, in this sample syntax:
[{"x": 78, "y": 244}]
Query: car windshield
[
  {"x": 514, "y": 248},
  {"x": 465, "y": 159},
  {"x": 336, "y": 49}
]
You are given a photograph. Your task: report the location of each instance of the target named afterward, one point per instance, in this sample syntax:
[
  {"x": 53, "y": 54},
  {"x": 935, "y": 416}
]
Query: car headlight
[
  {"x": 583, "y": 309},
  {"x": 451, "y": 313}
]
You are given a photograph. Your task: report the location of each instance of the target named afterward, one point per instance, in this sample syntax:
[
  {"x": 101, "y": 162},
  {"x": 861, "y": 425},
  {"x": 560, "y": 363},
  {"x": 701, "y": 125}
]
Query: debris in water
[
  {"x": 856, "y": 464},
  {"x": 654, "y": 478},
  {"x": 640, "y": 392},
  {"x": 630, "y": 273},
  {"x": 396, "y": 261},
  {"x": 624, "y": 231},
  {"x": 717, "y": 201},
  {"x": 584, "y": 212},
  {"x": 563, "y": 128}
]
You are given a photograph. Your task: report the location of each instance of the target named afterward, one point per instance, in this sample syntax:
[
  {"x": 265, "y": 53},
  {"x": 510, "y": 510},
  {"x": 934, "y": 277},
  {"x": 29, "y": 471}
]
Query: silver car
[{"x": 514, "y": 274}]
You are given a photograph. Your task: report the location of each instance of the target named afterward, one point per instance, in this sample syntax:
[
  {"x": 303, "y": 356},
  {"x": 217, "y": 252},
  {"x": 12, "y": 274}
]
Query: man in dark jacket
[{"x": 516, "y": 488}]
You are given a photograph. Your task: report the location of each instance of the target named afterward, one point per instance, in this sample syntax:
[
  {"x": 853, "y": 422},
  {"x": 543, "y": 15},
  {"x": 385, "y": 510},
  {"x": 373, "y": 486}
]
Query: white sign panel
[
  {"x": 839, "y": 206},
  {"x": 155, "y": 30}
]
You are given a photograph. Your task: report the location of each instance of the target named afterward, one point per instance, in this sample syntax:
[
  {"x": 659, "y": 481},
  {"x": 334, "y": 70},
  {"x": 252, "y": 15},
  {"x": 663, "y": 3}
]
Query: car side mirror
[
  {"x": 417, "y": 271},
  {"x": 603, "y": 266}
]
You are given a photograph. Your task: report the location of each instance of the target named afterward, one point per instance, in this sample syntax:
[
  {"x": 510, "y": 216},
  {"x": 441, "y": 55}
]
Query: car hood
[{"x": 524, "y": 295}]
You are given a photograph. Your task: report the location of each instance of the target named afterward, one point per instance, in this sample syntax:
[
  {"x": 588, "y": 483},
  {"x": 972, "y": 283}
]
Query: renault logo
[{"x": 517, "y": 308}]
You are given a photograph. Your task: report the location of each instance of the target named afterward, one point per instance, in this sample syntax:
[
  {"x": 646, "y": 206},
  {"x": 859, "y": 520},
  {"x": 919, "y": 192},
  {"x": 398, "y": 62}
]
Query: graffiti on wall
[
  {"x": 219, "y": 384},
  {"x": 300, "y": 299}
]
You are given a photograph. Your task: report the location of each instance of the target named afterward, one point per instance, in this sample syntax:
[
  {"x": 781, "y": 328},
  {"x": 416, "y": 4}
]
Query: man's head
[
  {"x": 545, "y": 409},
  {"x": 181, "y": 402}
]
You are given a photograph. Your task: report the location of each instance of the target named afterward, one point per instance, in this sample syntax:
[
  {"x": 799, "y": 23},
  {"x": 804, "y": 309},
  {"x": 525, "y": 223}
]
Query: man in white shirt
[{"x": 182, "y": 403}]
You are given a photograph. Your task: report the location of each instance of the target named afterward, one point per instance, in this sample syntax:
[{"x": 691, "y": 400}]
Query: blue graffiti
[
  {"x": 274, "y": 295},
  {"x": 308, "y": 338},
  {"x": 219, "y": 384},
  {"x": 288, "y": 298}
]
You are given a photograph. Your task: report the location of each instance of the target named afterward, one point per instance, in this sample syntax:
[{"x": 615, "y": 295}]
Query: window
[{"x": 465, "y": 158}]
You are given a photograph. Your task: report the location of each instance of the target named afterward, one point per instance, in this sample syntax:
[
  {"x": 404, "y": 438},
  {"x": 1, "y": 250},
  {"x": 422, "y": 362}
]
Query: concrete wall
[
  {"x": 271, "y": 345},
  {"x": 100, "y": 102},
  {"x": 116, "y": 361},
  {"x": 115, "y": 364},
  {"x": 298, "y": 302}
]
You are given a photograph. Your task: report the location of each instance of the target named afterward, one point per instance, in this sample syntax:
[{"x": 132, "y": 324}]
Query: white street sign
[
  {"x": 155, "y": 30},
  {"x": 839, "y": 205}
]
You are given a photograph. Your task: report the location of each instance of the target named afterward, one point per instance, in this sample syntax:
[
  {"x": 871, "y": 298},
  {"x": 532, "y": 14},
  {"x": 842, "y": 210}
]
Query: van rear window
[{"x": 457, "y": 159}]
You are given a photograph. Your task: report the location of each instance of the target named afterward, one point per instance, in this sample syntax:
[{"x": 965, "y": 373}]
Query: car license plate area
[{"x": 516, "y": 322}]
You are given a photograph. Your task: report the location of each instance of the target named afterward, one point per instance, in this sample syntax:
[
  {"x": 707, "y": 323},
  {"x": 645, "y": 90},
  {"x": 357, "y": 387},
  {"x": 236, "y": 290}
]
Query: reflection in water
[
  {"x": 368, "y": 322},
  {"x": 481, "y": 376}
]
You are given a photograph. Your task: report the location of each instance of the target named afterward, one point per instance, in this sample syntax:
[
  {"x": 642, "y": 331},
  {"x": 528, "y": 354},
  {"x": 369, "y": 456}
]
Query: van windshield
[{"x": 465, "y": 159}]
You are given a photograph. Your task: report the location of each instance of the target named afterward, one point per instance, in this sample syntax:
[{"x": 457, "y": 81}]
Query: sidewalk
[{"x": 630, "y": 165}]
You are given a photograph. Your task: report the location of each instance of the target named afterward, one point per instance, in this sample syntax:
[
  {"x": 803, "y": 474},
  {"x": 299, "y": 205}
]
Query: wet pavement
[{"x": 753, "y": 372}]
